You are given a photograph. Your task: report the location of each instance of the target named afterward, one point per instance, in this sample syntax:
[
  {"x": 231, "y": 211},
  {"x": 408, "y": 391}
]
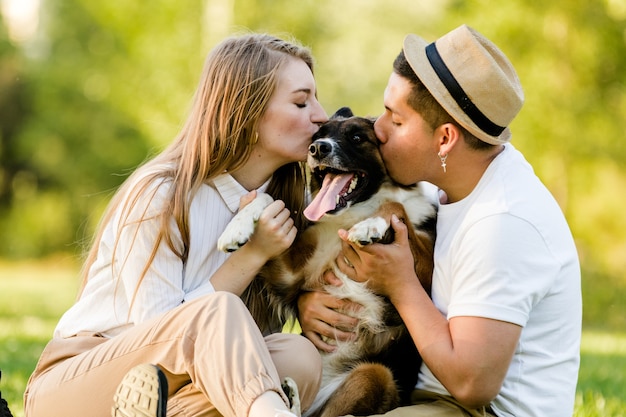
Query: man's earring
[{"x": 443, "y": 160}]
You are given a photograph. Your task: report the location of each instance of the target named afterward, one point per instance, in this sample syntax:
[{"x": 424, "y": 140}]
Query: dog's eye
[{"x": 356, "y": 139}]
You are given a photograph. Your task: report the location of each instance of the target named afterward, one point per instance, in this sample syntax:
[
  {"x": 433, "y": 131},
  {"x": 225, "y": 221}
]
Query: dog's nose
[{"x": 320, "y": 149}]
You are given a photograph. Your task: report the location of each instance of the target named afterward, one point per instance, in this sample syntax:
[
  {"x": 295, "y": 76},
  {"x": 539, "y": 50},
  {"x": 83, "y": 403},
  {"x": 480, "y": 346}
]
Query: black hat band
[{"x": 457, "y": 93}]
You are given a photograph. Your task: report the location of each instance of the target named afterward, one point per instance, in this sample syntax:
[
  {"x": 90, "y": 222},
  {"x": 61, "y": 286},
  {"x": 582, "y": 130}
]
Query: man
[{"x": 501, "y": 334}]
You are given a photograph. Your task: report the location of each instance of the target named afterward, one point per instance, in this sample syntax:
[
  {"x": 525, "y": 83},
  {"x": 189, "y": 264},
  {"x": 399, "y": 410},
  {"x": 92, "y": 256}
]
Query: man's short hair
[{"x": 423, "y": 102}]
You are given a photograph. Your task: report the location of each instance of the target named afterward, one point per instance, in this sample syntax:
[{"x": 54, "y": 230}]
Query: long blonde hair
[{"x": 238, "y": 79}]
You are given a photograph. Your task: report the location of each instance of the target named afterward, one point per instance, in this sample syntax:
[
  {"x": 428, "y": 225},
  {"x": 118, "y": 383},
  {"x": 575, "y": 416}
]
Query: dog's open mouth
[{"x": 338, "y": 189}]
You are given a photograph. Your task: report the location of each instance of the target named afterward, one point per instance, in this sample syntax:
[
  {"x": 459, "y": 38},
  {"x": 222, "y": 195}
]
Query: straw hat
[{"x": 471, "y": 79}]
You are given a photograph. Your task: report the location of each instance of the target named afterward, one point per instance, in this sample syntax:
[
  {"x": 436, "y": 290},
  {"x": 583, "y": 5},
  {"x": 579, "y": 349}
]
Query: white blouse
[{"x": 104, "y": 305}]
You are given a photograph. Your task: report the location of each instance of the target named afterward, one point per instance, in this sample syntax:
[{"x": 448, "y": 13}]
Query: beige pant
[
  {"x": 429, "y": 404},
  {"x": 215, "y": 359}
]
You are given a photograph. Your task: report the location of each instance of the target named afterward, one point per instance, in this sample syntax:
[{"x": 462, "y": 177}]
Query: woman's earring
[
  {"x": 256, "y": 137},
  {"x": 443, "y": 160}
]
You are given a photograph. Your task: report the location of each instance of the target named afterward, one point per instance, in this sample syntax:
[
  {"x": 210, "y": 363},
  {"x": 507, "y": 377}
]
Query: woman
[{"x": 156, "y": 290}]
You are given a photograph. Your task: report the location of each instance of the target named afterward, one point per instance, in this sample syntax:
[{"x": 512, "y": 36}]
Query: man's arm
[{"x": 469, "y": 355}]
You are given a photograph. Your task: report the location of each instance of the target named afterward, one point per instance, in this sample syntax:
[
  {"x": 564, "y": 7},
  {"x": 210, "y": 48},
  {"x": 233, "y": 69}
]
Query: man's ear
[{"x": 448, "y": 135}]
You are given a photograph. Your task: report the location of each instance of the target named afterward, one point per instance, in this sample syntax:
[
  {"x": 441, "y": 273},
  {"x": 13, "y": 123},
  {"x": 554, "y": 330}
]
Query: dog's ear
[{"x": 342, "y": 112}]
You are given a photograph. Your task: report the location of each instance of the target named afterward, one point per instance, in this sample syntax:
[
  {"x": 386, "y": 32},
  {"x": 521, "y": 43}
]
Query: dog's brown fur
[{"x": 356, "y": 378}]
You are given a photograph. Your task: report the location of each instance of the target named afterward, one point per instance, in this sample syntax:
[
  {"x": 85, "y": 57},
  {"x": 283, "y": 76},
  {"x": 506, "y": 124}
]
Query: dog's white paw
[
  {"x": 368, "y": 231},
  {"x": 241, "y": 227}
]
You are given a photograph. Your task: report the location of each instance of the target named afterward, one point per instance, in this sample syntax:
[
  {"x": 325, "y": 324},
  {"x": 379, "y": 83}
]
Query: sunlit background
[
  {"x": 21, "y": 18},
  {"x": 89, "y": 89}
]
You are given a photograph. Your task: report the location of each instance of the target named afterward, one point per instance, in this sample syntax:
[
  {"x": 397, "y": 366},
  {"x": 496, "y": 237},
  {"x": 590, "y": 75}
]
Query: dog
[{"x": 376, "y": 371}]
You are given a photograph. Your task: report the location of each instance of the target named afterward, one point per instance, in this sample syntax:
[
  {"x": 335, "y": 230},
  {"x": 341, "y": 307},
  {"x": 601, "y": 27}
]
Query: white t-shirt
[
  {"x": 104, "y": 304},
  {"x": 505, "y": 252}
]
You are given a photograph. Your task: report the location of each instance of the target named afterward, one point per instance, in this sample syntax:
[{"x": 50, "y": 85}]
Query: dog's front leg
[
  {"x": 377, "y": 229},
  {"x": 241, "y": 227}
]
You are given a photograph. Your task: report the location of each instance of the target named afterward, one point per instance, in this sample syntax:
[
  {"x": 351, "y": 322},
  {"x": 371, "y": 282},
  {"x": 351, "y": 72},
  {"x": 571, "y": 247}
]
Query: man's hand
[{"x": 387, "y": 268}]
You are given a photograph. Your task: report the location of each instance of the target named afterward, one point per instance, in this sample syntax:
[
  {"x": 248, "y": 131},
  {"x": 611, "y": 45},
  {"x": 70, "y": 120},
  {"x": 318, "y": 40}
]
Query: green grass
[{"x": 33, "y": 297}]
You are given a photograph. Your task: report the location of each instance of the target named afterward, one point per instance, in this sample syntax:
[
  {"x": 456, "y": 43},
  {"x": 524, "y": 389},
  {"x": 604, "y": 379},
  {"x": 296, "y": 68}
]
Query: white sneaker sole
[{"x": 142, "y": 393}]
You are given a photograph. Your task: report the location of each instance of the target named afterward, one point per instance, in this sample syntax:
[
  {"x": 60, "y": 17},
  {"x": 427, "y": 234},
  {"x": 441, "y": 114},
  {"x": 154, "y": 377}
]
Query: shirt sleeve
[
  {"x": 160, "y": 289},
  {"x": 502, "y": 268}
]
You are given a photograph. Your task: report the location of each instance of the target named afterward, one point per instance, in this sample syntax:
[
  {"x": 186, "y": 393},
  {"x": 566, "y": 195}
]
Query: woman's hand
[{"x": 274, "y": 232}]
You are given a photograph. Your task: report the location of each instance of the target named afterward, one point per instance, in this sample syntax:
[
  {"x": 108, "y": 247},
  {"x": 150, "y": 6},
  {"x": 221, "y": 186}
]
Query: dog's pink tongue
[{"x": 327, "y": 196}]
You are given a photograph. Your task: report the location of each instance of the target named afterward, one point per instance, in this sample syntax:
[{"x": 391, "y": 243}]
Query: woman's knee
[
  {"x": 296, "y": 357},
  {"x": 307, "y": 359},
  {"x": 208, "y": 317},
  {"x": 220, "y": 303},
  {"x": 224, "y": 299}
]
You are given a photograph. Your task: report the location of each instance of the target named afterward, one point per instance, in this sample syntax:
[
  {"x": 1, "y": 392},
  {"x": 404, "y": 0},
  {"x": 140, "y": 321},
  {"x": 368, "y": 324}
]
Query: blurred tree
[
  {"x": 68, "y": 142},
  {"x": 13, "y": 111},
  {"x": 108, "y": 82}
]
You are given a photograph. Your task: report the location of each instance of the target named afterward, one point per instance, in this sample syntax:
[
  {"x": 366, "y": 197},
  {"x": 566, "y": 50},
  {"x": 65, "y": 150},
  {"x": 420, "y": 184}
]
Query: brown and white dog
[{"x": 376, "y": 371}]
